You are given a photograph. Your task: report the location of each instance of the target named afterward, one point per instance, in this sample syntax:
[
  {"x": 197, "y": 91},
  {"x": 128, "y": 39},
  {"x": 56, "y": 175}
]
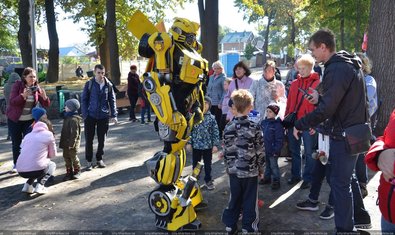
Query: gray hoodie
[{"x": 8, "y": 86}]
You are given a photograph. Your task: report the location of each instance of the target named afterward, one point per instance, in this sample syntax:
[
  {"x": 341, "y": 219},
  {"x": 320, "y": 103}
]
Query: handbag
[
  {"x": 358, "y": 138},
  {"x": 230, "y": 101},
  {"x": 290, "y": 119}
]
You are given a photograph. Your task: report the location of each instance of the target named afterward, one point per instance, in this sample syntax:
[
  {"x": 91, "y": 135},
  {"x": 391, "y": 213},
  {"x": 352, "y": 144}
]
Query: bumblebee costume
[{"x": 173, "y": 83}]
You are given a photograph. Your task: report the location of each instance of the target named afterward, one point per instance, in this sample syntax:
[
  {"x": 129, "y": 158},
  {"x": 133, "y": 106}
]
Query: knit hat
[
  {"x": 37, "y": 113},
  {"x": 73, "y": 104},
  {"x": 275, "y": 108},
  {"x": 208, "y": 100}
]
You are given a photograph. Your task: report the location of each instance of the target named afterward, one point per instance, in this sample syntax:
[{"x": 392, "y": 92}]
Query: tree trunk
[
  {"x": 293, "y": 30},
  {"x": 342, "y": 30},
  {"x": 53, "y": 53},
  {"x": 381, "y": 45},
  {"x": 358, "y": 33},
  {"x": 208, "y": 14},
  {"x": 113, "y": 43},
  {"x": 266, "y": 43},
  {"x": 24, "y": 36},
  {"x": 102, "y": 41}
]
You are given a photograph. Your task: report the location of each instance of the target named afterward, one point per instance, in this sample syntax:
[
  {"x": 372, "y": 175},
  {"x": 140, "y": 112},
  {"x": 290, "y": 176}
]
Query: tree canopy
[
  {"x": 8, "y": 28},
  {"x": 287, "y": 24}
]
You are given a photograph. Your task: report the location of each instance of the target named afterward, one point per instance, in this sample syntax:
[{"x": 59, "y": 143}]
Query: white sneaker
[
  {"x": 14, "y": 170},
  {"x": 27, "y": 188},
  {"x": 40, "y": 189}
]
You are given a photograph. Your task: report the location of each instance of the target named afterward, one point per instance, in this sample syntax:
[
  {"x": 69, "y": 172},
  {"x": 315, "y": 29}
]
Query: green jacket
[{"x": 71, "y": 132}]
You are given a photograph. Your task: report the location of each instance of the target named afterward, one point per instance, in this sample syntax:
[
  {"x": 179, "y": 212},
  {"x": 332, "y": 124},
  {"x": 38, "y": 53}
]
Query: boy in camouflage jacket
[{"x": 244, "y": 158}]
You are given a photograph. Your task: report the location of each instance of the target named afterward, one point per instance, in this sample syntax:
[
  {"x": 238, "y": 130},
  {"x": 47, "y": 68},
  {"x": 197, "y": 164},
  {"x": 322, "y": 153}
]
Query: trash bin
[
  {"x": 65, "y": 95},
  {"x": 90, "y": 73}
]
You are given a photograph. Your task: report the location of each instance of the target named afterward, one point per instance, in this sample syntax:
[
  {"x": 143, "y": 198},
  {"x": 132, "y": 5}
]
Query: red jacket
[
  {"x": 17, "y": 102},
  {"x": 386, "y": 203},
  {"x": 294, "y": 95}
]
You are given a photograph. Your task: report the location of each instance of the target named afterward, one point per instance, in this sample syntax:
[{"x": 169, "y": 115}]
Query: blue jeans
[
  {"x": 361, "y": 170},
  {"x": 146, "y": 109},
  {"x": 342, "y": 167},
  {"x": 361, "y": 216},
  {"x": 320, "y": 171},
  {"x": 207, "y": 155},
  {"x": 271, "y": 168},
  {"x": 387, "y": 226},
  {"x": 309, "y": 142}
]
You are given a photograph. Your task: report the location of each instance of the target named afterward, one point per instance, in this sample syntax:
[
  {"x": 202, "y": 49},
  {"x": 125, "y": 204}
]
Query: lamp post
[{"x": 33, "y": 34}]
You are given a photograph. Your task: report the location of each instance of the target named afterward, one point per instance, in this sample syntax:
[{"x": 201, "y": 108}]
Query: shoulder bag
[
  {"x": 290, "y": 119},
  {"x": 358, "y": 136}
]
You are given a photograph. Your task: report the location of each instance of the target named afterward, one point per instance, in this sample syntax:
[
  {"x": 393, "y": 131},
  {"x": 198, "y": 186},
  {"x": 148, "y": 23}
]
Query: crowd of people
[
  {"x": 315, "y": 104},
  {"x": 33, "y": 141}
]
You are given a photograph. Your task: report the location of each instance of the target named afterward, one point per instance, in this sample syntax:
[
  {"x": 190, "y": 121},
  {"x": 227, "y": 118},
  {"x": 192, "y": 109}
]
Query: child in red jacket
[{"x": 381, "y": 156}]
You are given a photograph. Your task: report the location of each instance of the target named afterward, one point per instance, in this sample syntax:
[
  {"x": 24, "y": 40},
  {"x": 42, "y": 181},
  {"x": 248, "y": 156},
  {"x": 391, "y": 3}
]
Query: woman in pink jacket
[
  {"x": 381, "y": 157},
  {"x": 36, "y": 150}
]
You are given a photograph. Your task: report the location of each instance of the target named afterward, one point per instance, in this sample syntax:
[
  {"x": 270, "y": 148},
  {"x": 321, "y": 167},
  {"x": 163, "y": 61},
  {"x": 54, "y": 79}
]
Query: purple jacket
[
  {"x": 17, "y": 102},
  {"x": 243, "y": 83}
]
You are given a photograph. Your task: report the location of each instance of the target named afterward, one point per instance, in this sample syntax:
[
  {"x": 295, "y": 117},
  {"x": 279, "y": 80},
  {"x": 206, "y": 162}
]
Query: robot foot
[
  {"x": 202, "y": 205},
  {"x": 195, "y": 225}
]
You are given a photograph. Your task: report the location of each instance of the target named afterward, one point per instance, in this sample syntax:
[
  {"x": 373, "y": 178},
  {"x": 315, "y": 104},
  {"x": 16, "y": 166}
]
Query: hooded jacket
[
  {"x": 343, "y": 100},
  {"x": 8, "y": 86},
  {"x": 273, "y": 136},
  {"x": 205, "y": 135},
  {"x": 386, "y": 192},
  {"x": 71, "y": 131},
  {"x": 36, "y": 149},
  {"x": 295, "y": 96}
]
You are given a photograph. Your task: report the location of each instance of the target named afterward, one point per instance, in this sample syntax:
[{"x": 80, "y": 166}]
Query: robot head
[{"x": 184, "y": 30}]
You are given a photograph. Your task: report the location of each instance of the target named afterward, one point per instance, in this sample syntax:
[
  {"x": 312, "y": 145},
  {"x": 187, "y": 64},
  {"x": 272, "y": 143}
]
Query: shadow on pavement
[{"x": 115, "y": 179}]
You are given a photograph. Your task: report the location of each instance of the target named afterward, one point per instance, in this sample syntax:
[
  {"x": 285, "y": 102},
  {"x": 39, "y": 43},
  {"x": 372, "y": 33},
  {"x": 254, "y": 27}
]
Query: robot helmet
[{"x": 184, "y": 30}]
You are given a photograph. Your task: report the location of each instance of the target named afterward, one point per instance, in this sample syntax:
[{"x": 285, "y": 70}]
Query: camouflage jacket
[{"x": 243, "y": 147}]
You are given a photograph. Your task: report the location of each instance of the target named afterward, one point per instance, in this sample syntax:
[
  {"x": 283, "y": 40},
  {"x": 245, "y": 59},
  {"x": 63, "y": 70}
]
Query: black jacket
[{"x": 343, "y": 99}]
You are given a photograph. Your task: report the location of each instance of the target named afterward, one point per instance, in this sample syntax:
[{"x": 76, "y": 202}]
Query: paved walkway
[{"x": 115, "y": 198}]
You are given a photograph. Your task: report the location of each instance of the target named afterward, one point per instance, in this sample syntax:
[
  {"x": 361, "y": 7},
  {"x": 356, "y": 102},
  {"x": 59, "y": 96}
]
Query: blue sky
[{"x": 70, "y": 34}]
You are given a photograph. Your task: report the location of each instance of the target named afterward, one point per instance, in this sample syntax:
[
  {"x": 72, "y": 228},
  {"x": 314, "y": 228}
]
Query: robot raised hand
[{"x": 173, "y": 82}]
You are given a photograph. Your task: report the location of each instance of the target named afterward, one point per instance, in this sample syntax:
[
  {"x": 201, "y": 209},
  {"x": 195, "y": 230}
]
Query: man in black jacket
[{"x": 343, "y": 103}]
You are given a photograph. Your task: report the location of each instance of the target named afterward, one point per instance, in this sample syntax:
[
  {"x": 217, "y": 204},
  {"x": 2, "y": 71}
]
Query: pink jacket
[
  {"x": 36, "y": 149},
  {"x": 16, "y": 102}
]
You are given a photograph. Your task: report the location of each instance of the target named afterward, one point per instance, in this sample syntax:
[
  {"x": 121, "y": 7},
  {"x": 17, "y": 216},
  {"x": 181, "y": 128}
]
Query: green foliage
[
  {"x": 329, "y": 14},
  {"x": 295, "y": 20},
  {"x": 249, "y": 51},
  {"x": 93, "y": 12},
  {"x": 8, "y": 27},
  {"x": 41, "y": 76}
]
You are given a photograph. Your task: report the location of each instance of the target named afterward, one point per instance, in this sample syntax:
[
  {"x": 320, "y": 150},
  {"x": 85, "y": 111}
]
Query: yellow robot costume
[{"x": 173, "y": 83}]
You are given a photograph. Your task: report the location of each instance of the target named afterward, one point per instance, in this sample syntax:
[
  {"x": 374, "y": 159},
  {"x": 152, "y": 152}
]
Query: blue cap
[{"x": 37, "y": 113}]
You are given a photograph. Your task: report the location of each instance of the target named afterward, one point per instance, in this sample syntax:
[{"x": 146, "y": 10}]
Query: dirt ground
[{"x": 115, "y": 198}]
